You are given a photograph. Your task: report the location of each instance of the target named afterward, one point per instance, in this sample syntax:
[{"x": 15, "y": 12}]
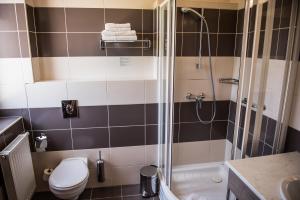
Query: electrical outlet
[{"x": 69, "y": 108}]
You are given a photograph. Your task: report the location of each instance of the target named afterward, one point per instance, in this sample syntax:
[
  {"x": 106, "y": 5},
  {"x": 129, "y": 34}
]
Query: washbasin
[{"x": 290, "y": 188}]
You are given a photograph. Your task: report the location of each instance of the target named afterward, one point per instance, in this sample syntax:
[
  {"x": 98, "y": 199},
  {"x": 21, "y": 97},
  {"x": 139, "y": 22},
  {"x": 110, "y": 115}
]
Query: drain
[{"x": 217, "y": 179}]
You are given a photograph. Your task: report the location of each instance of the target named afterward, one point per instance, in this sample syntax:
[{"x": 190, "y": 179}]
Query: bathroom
[{"x": 204, "y": 91}]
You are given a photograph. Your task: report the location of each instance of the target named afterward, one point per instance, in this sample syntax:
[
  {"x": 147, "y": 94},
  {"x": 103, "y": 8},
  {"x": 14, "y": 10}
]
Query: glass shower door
[{"x": 165, "y": 69}]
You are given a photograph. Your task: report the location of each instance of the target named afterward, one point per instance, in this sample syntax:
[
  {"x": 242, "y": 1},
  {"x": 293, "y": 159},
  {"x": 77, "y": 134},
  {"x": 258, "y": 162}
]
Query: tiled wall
[
  {"x": 76, "y": 32},
  {"x": 13, "y": 31}
]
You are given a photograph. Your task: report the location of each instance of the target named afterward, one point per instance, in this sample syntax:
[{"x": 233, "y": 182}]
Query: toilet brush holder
[{"x": 100, "y": 169}]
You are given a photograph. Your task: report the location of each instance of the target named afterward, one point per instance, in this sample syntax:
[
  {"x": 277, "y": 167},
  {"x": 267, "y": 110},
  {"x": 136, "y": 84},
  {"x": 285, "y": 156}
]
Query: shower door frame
[
  {"x": 165, "y": 145},
  {"x": 288, "y": 81}
]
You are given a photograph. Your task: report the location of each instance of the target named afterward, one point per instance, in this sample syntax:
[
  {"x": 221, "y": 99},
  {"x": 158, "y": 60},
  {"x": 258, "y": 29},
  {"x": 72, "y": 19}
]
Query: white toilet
[{"x": 69, "y": 178}]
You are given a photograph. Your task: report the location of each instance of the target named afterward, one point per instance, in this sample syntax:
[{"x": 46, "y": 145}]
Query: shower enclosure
[{"x": 225, "y": 89}]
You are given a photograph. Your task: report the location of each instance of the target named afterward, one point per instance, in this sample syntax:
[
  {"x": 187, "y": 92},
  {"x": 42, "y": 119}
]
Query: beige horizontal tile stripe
[
  {"x": 217, "y": 4},
  {"x": 125, "y": 4}
]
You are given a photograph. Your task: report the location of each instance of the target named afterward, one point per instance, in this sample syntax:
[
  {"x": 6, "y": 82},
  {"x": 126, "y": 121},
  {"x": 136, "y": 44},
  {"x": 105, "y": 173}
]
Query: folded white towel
[
  {"x": 113, "y": 25},
  {"x": 122, "y": 38},
  {"x": 119, "y": 33},
  {"x": 118, "y": 29}
]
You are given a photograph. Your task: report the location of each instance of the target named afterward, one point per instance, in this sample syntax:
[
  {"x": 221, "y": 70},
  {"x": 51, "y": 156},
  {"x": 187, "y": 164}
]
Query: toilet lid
[{"x": 68, "y": 173}]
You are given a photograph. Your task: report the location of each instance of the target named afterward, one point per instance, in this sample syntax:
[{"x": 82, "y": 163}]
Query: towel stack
[{"x": 118, "y": 32}]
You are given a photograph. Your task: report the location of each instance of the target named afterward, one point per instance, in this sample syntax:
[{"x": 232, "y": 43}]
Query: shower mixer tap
[{"x": 191, "y": 96}]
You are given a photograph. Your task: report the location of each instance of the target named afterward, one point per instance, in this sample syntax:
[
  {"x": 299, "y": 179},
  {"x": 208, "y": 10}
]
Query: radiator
[{"x": 17, "y": 169}]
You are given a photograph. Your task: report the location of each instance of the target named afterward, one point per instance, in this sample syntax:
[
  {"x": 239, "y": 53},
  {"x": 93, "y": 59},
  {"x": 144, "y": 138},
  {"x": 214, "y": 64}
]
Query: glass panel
[{"x": 165, "y": 86}]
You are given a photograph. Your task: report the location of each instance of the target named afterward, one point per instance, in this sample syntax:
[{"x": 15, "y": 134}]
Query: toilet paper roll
[{"x": 47, "y": 173}]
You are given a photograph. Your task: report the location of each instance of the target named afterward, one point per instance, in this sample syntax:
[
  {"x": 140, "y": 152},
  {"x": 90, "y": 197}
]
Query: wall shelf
[{"x": 125, "y": 44}]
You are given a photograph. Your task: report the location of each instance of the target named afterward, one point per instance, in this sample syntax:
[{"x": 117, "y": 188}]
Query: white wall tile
[
  {"x": 28, "y": 70},
  {"x": 152, "y": 155},
  {"x": 217, "y": 149},
  {"x": 182, "y": 87},
  {"x": 12, "y": 96},
  {"x": 46, "y": 94},
  {"x": 151, "y": 91},
  {"x": 54, "y": 68},
  {"x": 185, "y": 68},
  {"x": 11, "y": 71},
  {"x": 90, "y": 68},
  {"x": 193, "y": 152},
  {"x": 126, "y": 175},
  {"x": 123, "y": 156},
  {"x": 88, "y": 93},
  {"x": 132, "y": 68},
  {"x": 125, "y": 92}
]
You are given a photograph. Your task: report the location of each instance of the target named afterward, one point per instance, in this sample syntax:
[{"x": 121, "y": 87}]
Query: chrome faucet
[{"x": 191, "y": 96}]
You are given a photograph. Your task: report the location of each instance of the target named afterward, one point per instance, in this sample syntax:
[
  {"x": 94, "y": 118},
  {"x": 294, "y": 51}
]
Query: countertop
[
  {"x": 7, "y": 122},
  {"x": 263, "y": 175}
]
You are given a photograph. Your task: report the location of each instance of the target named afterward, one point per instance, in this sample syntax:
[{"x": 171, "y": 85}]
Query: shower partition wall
[{"x": 259, "y": 104}]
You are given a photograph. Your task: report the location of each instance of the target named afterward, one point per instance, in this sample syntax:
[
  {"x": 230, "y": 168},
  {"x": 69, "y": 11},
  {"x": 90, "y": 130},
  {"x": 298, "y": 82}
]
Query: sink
[{"x": 290, "y": 188}]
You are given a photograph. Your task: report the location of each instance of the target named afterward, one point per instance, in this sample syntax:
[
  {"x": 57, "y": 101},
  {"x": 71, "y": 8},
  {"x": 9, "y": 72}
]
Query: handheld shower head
[{"x": 186, "y": 10}]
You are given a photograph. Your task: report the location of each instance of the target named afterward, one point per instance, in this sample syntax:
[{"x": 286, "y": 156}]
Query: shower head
[{"x": 186, "y": 10}]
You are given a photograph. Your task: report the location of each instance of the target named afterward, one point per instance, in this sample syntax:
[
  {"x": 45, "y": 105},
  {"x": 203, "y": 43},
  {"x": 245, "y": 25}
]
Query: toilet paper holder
[{"x": 41, "y": 143}]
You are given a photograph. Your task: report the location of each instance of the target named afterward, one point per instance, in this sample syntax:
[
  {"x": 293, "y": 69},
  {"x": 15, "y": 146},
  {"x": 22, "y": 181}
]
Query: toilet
[{"x": 69, "y": 178}]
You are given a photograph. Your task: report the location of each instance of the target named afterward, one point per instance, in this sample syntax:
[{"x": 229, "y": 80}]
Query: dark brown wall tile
[
  {"x": 228, "y": 20},
  {"x": 176, "y": 133},
  {"x": 90, "y": 138},
  {"x": 213, "y": 45},
  {"x": 148, "y": 51},
  {"x": 24, "y": 44},
  {"x": 274, "y": 44},
  {"x": 240, "y": 21},
  {"x": 286, "y": 11},
  {"x": 188, "y": 111},
  {"x": 270, "y": 133},
  {"x": 219, "y": 130},
  {"x": 267, "y": 150},
  {"x": 20, "y": 7},
  {"x": 105, "y": 192},
  {"x": 250, "y": 44},
  {"x": 127, "y": 136},
  {"x": 133, "y": 16},
  {"x": 30, "y": 18},
  {"x": 222, "y": 111},
  {"x": 151, "y": 113},
  {"x": 292, "y": 140},
  {"x": 151, "y": 134},
  {"x": 226, "y": 44},
  {"x": 91, "y": 116},
  {"x": 85, "y": 44},
  {"x": 48, "y": 118},
  {"x": 124, "y": 115},
  {"x": 230, "y": 131},
  {"x": 264, "y": 16},
  {"x": 190, "y": 132},
  {"x": 282, "y": 44},
  {"x": 252, "y": 18},
  {"x": 179, "y": 19},
  {"x": 238, "y": 45},
  {"x": 179, "y": 39},
  {"x": 190, "y": 44},
  {"x": 212, "y": 18},
  {"x": 8, "y": 17},
  {"x": 52, "y": 44},
  {"x": 147, "y": 21},
  {"x": 85, "y": 19},
  {"x": 261, "y": 44},
  {"x": 9, "y": 47},
  {"x": 277, "y": 14},
  {"x": 58, "y": 140},
  {"x": 50, "y": 19},
  {"x": 33, "y": 44},
  {"x": 192, "y": 23},
  {"x": 232, "y": 111}
]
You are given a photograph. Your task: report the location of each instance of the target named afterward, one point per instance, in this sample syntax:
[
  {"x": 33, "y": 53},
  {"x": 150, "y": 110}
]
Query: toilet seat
[{"x": 70, "y": 173}]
